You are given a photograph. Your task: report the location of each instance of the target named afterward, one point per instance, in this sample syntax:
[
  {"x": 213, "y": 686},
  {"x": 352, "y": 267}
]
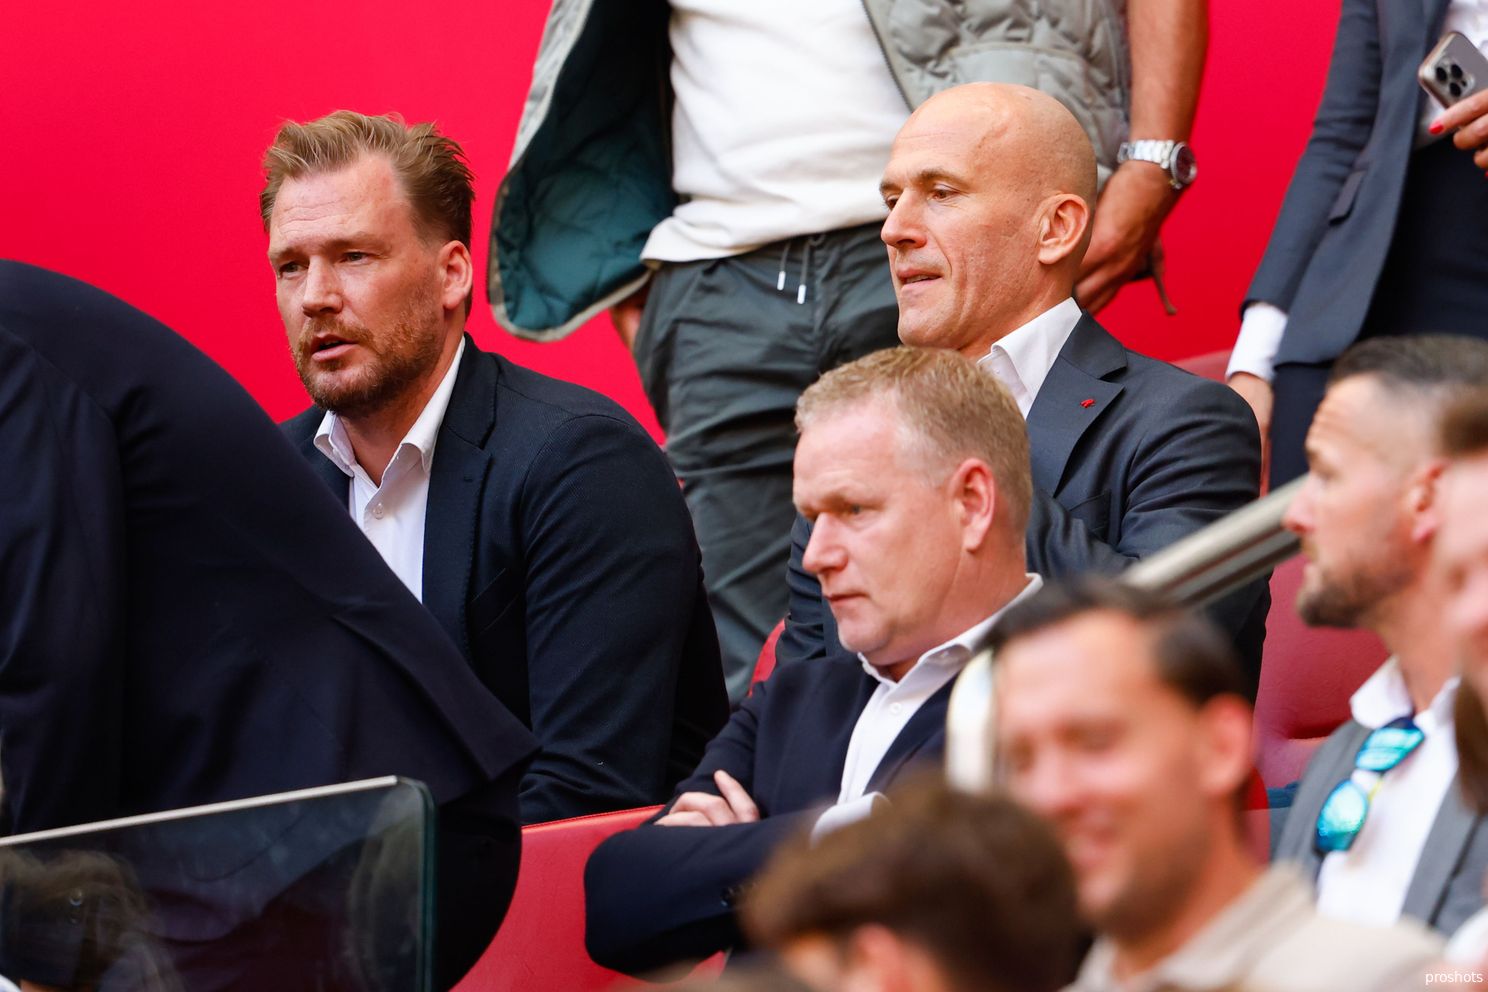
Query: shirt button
[
  {"x": 378, "y": 511},
  {"x": 895, "y": 708}
]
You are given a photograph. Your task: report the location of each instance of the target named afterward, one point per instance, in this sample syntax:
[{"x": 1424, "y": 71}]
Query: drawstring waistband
[{"x": 811, "y": 242}]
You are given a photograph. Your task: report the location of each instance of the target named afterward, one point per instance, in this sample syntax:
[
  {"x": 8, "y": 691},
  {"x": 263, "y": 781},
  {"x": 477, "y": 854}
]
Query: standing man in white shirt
[
  {"x": 1378, "y": 818},
  {"x": 989, "y": 188},
  {"x": 914, "y": 467},
  {"x": 708, "y": 169},
  {"x": 1384, "y": 230}
]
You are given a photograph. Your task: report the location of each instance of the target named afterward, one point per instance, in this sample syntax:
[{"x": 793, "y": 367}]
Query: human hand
[
  {"x": 1469, "y": 118},
  {"x": 626, "y": 316},
  {"x": 1128, "y": 217},
  {"x": 1258, "y": 393},
  {"x": 703, "y": 809}
]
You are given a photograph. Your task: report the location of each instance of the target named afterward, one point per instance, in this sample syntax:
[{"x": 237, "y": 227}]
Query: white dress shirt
[
  {"x": 392, "y": 515},
  {"x": 1262, "y": 324},
  {"x": 890, "y": 709},
  {"x": 1368, "y": 882},
  {"x": 1021, "y": 360}
]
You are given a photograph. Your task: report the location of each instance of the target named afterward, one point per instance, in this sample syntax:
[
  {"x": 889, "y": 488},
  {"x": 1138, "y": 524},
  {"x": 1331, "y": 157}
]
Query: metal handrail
[{"x": 1207, "y": 564}]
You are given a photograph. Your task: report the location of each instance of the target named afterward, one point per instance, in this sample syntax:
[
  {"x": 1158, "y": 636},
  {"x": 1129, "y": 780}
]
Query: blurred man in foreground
[
  {"x": 913, "y": 465},
  {"x": 941, "y": 891},
  {"x": 1124, "y": 723}
]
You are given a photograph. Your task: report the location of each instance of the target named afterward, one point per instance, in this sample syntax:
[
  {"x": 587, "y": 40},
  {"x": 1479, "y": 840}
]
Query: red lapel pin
[{"x": 1087, "y": 403}]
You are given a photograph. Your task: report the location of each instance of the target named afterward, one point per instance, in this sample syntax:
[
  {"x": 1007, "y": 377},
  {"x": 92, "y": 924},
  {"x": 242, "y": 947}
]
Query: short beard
[
  {"x": 1155, "y": 893},
  {"x": 1348, "y": 602},
  {"x": 408, "y": 350}
]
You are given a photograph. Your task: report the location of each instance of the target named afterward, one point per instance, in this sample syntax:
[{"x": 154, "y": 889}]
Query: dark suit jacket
[
  {"x": 658, "y": 895},
  {"x": 1448, "y": 885},
  {"x": 1330, "y": 240},
  {"x": 1158, "y": 454},
  {"x": 559, "y": 555},
  {"x": 188, "y": 616}
]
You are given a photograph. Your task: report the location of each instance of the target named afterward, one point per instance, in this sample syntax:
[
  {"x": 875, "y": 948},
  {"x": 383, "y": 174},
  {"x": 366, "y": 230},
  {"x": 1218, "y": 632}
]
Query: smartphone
[{"x": 1455, "y": 69}]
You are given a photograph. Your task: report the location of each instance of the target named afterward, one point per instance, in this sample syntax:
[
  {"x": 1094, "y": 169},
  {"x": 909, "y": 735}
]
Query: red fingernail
[{"x": 1435, "y": 128}]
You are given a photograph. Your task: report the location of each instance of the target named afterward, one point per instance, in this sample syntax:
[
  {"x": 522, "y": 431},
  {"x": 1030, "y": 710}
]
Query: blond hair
[
  {"x": 431, "y": 167},
  {"x": 949, "y": 410}
]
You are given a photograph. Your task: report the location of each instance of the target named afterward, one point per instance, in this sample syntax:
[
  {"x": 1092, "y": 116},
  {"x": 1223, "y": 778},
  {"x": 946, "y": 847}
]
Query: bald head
[
  {"x": 1041, "y": 145},
  {"x": 990, "y": 188}
]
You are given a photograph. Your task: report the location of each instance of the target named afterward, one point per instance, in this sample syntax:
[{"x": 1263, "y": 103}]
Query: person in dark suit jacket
[
  {"x": 534, "y": 518},
  {"x": 1367, "y": 518},
  {"x": 191, "y": 619},
  {"x": 1129, "y": 454},
  {"x": 1384, "y": 229},
  {"x": 914, "y": 466}
]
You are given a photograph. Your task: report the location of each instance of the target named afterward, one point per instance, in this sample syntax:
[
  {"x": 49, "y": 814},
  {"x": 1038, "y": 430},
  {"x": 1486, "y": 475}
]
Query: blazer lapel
[
  {"x": 1297, "y": 841},
  {"x": 338, "y": 481},
  {"x": 927, "y": 725},
  {"x": 456, "y": 479},
  {"x": 1073, "y": 396},
  {"x": 1440, "y": 857}
]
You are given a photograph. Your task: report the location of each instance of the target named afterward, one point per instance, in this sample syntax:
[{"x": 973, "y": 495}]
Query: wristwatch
[{"x": 1175, "y": 157}]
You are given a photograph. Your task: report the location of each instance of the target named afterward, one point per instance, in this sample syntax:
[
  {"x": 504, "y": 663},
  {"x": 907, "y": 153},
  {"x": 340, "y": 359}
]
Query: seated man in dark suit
[
  {"x": 190, "y": 618},
  {"x": 1379, "y": 820},
  {"x": 913, "y": 466},
  {"x": 535, "y": 519},
  {"x": 989, "y": 188}
]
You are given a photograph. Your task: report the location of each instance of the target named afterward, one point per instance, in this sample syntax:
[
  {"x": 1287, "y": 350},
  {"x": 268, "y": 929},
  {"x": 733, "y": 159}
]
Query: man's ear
[
  {"x": 877, "y": 961},
  {"x": 1062, "y": 225},
  {"x": 1423, "y": 499},
  {"x": 457, "y": 275},
  {"x": 975, "y": 493},
  {"x": 1225, "y": 747}
]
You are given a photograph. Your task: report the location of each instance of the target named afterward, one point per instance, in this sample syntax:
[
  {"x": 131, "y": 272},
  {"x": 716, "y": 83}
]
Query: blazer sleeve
[
  {"x": 656, "y": 896},
  {"x": 1343, "y": 124},
  {"x": 62, "y": 650},
  {"x": 1199, "y": 459},
  {"x": 610, "y": 593}
]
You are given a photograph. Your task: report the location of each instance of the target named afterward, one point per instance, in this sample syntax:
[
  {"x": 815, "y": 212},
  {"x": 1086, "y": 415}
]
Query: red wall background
[{"x": 132, "y": 135}]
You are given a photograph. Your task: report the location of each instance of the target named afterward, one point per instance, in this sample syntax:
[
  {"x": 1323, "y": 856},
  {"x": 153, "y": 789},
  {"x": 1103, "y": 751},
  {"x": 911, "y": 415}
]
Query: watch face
[{"x": 1184, "y": 166}]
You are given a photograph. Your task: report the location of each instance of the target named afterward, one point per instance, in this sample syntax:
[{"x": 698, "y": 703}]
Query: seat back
[
  {"x": 1307, "y": 677},
  {"x": 766, "y": 662},
  {"x": 540, "y": 947},
  {"x": 1210, "y": 365}
]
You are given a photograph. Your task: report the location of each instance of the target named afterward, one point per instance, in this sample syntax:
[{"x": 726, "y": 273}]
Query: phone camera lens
[
  {"x": 1455, "y": 89},
  {"x": 1456, "y": 71},
  {"x": 1441, "y": 74}
]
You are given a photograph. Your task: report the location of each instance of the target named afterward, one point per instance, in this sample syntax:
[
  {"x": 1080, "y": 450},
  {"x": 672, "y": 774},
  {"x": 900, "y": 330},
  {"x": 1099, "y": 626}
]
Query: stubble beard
[
  {"x": 1347, "y": 602},
  {"x": 402, "y": 354}
]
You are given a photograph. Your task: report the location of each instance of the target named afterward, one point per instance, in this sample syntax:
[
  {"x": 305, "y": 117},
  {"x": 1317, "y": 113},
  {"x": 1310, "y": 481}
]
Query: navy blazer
[
  {"x": 560, "y": 557},
  {"x": 189, "y": 617},
  {"x": 1330, "y": 240},
  {"x": 658, "y": 895},
  {"x": 1129, "y": 454}
]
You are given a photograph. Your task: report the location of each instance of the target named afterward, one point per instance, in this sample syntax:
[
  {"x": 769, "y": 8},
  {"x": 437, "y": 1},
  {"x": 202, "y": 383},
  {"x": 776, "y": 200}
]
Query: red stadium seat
[
  {"x": 766, "y": 663},
  {"x": 1307, "y": 677},
  {"x": 540, "y": 947},
  {"x": 1210, "y": 365}
]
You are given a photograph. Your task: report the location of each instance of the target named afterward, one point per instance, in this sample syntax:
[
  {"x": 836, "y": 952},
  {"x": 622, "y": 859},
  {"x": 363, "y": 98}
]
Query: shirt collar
[
  {"x": 1223, "y": 952},
  {"x": 332, "y": 441},
  {"x": 1033, "y": 348},
  {"x": 959, "y": 649},
  {"x": 1383, "y": 697}
]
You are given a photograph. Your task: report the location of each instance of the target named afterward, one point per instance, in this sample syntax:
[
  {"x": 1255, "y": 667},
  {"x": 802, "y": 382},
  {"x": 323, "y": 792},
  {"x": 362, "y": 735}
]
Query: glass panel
[{"x": 326, "y": 889}]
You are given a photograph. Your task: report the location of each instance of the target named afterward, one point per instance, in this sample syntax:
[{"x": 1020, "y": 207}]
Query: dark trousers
[
  {"x": 1434, "y": 281},
  {"x": 724, "y": 349}
]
